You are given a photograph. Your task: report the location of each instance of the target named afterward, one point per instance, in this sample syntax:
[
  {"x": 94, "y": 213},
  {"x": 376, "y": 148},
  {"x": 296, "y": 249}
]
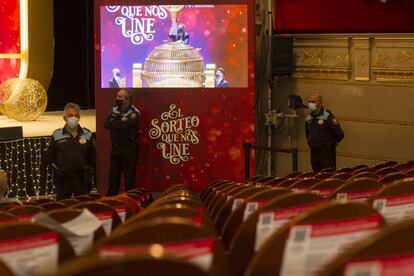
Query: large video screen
[{"x": 185, "y": 46}]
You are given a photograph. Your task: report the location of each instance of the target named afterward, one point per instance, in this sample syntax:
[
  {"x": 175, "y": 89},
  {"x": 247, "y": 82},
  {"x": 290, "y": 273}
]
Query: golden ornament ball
[
  {"x": 25, "y": 100},
  {"x": 5, "y": 87}
]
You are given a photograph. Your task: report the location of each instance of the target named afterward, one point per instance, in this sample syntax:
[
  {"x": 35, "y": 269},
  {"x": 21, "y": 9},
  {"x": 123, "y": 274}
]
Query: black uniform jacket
[
  {"x": 323, "y": 130},
  {"x": 71, "y": 155},
  {"x": 123, "y": 127}
]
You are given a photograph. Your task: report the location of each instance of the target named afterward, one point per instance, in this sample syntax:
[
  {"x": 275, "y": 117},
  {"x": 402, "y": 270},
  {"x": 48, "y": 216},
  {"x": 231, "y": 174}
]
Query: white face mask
[
  {"x": 312, "y": 106},
  {"x": 73, "y": 122}
]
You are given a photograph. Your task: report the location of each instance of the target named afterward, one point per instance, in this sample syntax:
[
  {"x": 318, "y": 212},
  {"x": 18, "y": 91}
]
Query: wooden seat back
[
  {"x": 237, "y": 217},
  {"x": 167, "y": 230},
  {"x": 242, "y": 246},
  {"x": 156, "y": 265},
  {"x": 231, "y": 204},
  {"x": 391, "y": 248},
  {"x": 358, "y": 189},
  {"x": 270, "y": 258},
  {"x": 18, "y": 231},
  {"x": 107, "y": 214},
  {"x": 25, "y": 213},
  {"x": 304, "y": 184},
  {"x": 48, "y": 206},
  {"x": 326, "y": 187},
  {"x": 391, "y": 177}
]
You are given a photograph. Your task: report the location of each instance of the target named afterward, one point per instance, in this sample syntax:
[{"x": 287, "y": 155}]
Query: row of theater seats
[
  {"x": 36, "y": 237},
  {"x": 352, "y": 221}
]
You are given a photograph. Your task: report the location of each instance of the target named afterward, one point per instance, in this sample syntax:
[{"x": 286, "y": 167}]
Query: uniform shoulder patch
[
  {"x": 334, "y": 121},
  {"x": 133, "y": 115}
]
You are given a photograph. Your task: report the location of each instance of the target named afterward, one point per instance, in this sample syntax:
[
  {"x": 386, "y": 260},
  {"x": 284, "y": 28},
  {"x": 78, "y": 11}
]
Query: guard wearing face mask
[
  {"x": 323, "y": 133},
  {"x": 123, "y": 125},
  {"x": 71, "y": 153}
]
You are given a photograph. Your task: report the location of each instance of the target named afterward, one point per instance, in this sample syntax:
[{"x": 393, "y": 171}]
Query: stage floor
[{"x": 48, "y": 122}]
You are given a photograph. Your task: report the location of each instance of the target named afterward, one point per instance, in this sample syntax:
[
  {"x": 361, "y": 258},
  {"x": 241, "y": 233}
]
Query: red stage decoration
[
  {"x": 350, "y": 16},
  {"x": 9, "y": 39},
  {"x": 189, "y": 135}
]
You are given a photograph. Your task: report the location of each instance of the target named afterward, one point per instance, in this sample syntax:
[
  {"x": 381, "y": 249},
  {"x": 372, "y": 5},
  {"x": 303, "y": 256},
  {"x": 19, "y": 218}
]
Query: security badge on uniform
[
  {"x": 320, "y": 121},
  {"x": 82, "y": 140},
  {"x": 124, "y": 118}
]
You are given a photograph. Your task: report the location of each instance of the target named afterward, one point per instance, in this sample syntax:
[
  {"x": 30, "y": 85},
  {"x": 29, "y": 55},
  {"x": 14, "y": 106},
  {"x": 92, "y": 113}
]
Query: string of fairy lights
[{"x": 23, "y": 161}]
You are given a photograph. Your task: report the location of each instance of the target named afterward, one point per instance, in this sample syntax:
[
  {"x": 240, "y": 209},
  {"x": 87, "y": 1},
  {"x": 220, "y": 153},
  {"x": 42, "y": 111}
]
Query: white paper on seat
[
  {"x": 79, "y": 231},
  {"x": 81, "y": 244},
  {"x": 121, "y": 210},
  {"x": 198, "y": 252},
  {"x": 271, "y": 221},
  {"x": 37, "y": 254},
  {"x": 395, "y": 208},
  {"x": 106, "y": 220},
  {"x": 402, "y": 265},
  {"x": 84, "y": 224},
  {"x": 310, "y": 246}
]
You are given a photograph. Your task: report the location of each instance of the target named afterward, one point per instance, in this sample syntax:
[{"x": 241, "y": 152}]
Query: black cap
[{"x": 295, "y": 102}]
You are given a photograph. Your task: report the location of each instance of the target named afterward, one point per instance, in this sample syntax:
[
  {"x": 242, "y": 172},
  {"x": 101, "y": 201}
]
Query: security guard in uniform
[
  {"x": 323, "y": 132},
  {"x": 71, "y": 153},
  {"x": 123, "y": 125}
]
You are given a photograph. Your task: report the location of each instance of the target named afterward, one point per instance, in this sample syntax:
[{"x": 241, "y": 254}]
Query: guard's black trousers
[
  {"x": 322, "y": 158},
  {"x": 123, "y": 161},
  {"x": 66, "y": 185}
]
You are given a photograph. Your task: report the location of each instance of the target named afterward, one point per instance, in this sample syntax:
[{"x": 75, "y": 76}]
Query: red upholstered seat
[
  {"x": 242, "y": 246},
  {"x": 129, "y": 265},
  {"x": 339, "y": 224},
  {"x": 389, "y": 251}
]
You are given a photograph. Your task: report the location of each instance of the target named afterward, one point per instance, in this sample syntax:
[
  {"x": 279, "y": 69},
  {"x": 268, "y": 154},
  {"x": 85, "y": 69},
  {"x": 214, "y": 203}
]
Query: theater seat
[
  {"x": 327, "y": 186},
  {"x": 391, "y": 177},
  {"x": 357, "y": 189},
  {"x": 28, "y": 238},
  {"x": 25, "y": 213},
  {"x": 168, "y": 230},
  {"x": 304, "y": 184},
  {"x": 130, "y": 265},
  {"x": 232, "y": 203},
  {"x": 81, "y": 245},
  {"x": 5, "y": 270},
  {"x": 123, "y": 210},
  {"x": 242, "y": 246},
  {"x": 301, "y": 239},
  {"x": 69, "y": 201},
  {"x": 7, "y": 217},
  {"x": 206, "y": 192},
  {"x": 395, "y": 201},
  {"x": 171, "y": 210},
  {"x": 275, "y": 181},
  {"x": 106, "y": 214},
  {"x": 389, "y": 252},
  {"x": 48, "y": 206},
  {"x": 237, "y": 217}
]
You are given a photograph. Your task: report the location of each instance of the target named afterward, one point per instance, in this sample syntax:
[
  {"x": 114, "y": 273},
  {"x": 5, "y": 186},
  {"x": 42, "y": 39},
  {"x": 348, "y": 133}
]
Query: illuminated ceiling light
[{"x": 24, "y": 39}]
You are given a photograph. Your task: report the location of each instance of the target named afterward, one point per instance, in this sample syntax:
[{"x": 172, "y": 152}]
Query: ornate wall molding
[
  {"x": 321, "y": 58},
  {"x": 364, "y": 58},
  {"x": 393, "y": 59}
]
